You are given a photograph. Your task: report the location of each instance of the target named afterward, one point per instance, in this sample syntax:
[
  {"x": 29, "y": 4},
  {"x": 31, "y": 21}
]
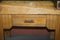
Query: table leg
[
  {"x": 1, "y": 33},
  {"x": 57, "y": 32}
]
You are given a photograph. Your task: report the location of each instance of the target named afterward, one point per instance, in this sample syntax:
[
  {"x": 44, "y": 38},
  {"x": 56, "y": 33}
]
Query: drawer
[{"x": 29, "y": 20}]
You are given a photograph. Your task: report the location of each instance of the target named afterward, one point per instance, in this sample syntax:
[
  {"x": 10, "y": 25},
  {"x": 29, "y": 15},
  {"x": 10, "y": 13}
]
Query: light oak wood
[
  {"x": 29, "y": 8},
  {"x": 38, "y": 20},
  {"x": 1, "y": 29},
  {"x": 13, "y": 15},
  {"x": 57, "y": 31},
  {"x": 51, "y": 21},
  {"x": 7, "y": 21}
]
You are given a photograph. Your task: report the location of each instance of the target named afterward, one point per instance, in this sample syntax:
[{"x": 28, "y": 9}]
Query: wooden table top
[{"x": 28, "y": 7}]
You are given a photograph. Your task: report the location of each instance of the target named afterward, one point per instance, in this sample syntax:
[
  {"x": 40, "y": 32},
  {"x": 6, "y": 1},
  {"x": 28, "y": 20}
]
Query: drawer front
[{"x": 29, "y": 20}]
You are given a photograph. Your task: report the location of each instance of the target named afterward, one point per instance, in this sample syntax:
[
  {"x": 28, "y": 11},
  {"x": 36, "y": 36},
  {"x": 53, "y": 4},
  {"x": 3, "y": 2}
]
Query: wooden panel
[
  {"x": 51, "y": 21},
  {"x": 57, "y": 32},
  {"x": 1, "y": 29},
  {"x": 38, "y": 20},
  {"x": 7, "y": 21}
]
